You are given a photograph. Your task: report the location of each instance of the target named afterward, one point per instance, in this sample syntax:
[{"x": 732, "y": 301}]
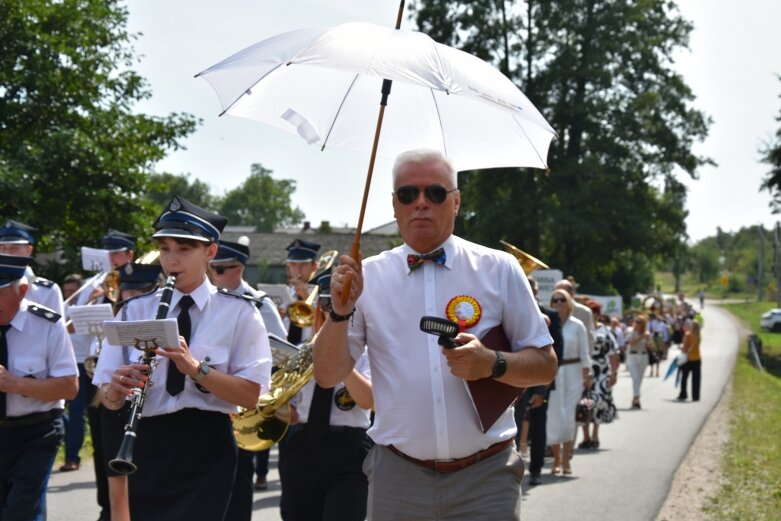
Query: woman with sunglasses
[
  {"x": 572, "y": 378},
  {"x": 639, "y": 342}
]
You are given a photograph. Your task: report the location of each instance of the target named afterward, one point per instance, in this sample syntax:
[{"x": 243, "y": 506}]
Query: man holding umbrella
[{"x": 431, "y": 449}]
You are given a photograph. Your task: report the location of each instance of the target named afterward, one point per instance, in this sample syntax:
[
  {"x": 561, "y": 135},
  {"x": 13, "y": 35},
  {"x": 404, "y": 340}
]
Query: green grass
[
  {"x": 86, "y": 449},
  {"x": 691, "y": 286},
  {"x": 751, "y": 461}
]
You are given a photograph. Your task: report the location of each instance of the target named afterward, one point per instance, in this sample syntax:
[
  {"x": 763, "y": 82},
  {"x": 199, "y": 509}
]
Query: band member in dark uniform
[
  {"x": 301, "y": 266},
  {"x": 37, "y": 374},
  {"x": 134, "y": 280},
  {"x": 185, "y": 450},
  {"x": 324, "y": 480},
  {"x": 227, "y": 272}
]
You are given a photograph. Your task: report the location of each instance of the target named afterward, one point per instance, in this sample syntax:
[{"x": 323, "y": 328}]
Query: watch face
[{"x": 204, "y": 368}]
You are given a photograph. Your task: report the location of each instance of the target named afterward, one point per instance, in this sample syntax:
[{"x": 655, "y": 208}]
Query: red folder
[{"x": 491, "y": 397}]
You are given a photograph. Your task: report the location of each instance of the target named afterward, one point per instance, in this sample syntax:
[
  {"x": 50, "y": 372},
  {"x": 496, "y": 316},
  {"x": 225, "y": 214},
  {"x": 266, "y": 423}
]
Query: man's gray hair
[{"x": 423, "y": 155}]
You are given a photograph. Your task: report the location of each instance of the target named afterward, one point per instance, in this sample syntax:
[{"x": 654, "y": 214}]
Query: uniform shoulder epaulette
[
  {"x": 122, "y": 303},
  {"x": 43, "y": 312},
  {"x": 46, "y": 283},
  {"x": 249, "y": 298}
]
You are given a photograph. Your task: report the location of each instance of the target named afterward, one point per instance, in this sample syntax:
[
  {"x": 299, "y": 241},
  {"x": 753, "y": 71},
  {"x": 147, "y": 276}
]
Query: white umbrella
[{"x": 323, "y": 85}]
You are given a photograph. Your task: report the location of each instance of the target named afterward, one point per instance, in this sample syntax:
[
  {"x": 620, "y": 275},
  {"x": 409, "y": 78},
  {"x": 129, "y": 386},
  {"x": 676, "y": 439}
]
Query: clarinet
[{"x": 123, "y": 463}]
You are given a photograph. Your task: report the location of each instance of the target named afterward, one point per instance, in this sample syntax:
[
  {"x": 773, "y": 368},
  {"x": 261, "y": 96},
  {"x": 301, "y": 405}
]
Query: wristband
[{"x": 335, "y": 317}]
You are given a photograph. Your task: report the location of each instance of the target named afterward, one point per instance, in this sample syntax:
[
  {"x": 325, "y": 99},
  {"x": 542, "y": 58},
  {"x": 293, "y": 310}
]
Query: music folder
[{"x": 491, "y": 397}]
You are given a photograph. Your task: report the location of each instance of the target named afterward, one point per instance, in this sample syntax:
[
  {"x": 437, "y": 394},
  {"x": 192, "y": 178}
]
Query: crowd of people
[{"x": 352, "y": 450}]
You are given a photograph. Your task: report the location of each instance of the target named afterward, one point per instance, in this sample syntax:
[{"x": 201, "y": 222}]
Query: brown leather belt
[
  {"x": 567, "y": 361},
  {"x": 443, "y": 466}
]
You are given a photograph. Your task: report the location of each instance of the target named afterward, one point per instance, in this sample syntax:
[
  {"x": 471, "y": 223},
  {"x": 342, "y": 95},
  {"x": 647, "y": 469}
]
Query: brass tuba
[
  {"x": 302, "y": 312},
  {"x": 260, "y": 428},
  {"x": 528, "y": 263}
]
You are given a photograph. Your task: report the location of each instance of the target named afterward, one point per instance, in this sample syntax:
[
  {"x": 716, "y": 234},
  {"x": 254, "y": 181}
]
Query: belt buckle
[{"x": 441, "y": 462}]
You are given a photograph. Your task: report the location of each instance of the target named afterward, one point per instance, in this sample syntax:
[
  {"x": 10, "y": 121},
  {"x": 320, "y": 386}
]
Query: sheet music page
[
  {"x": 88, "y": 320},
  {"x": 142, "y": 334},
  {"x": 93, "y": 259},
  {"x": 278, "y": 293}
]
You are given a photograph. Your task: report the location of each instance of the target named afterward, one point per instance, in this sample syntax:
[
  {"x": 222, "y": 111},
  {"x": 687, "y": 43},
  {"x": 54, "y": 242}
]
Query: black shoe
[
  {"x": 260, "y": 483},
  {"x": 535, "y": 479},
  {"x": 681, "y": 398}
]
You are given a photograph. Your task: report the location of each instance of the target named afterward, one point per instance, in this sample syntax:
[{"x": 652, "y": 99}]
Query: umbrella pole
[{"x": 355, "y": 250}]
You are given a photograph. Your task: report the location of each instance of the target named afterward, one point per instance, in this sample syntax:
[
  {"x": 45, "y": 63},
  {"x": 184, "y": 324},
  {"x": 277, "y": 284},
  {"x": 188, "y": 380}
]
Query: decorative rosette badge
[{"x": 464, "y": 310}]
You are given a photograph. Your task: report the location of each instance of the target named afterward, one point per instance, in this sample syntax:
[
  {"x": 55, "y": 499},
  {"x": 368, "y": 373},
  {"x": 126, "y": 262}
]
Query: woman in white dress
[{"x": 573, "y": 376}]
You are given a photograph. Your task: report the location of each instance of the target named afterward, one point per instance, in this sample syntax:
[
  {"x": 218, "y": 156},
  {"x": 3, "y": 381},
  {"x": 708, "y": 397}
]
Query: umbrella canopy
[{"x": 324, "y": 85}]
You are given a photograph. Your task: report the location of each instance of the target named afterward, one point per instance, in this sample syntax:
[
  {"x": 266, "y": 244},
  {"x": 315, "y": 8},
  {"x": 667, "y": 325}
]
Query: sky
[{"x": 731, "y": 65}]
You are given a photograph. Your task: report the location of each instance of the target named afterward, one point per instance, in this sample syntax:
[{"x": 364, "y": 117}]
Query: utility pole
[
  {"x": 761, "y": 265},
  {"x": 777, "y": 263}
]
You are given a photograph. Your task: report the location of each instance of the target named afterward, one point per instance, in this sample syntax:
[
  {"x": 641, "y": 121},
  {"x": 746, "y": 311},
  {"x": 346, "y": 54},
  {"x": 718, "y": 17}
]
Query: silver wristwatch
[{"x": 203, "y": 370}]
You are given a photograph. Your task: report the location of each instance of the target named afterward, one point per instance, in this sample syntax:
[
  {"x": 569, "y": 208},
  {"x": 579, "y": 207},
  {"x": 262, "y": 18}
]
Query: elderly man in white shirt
[{"x": 431, "y": 450}]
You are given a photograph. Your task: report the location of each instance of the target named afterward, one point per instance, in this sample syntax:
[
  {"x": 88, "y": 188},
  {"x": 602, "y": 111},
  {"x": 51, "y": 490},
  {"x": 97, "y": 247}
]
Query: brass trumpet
[
  {"x": 528, "y": 263},
  {"x": 302, "y": 312}
]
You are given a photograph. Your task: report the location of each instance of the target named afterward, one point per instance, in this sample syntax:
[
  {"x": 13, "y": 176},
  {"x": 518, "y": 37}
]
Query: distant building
[{"x": 268, "y": 253}]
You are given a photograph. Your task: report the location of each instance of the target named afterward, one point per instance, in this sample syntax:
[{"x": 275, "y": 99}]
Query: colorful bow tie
[{"x": 416, "y": 261}]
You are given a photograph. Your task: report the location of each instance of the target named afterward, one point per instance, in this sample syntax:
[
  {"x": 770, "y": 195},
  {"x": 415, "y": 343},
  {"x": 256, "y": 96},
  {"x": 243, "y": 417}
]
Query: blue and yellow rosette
[{"x": 464, "y": 310}]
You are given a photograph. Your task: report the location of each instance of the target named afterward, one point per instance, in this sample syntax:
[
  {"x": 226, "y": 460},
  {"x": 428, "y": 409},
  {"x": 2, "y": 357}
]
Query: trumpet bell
[{"x": 528, "y": 263}]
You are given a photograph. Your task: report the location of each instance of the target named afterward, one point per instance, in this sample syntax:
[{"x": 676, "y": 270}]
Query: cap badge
[
  {"x": 464, "y": 310},
  {"x": 175, "y": 205},
  {"x": 128, "y": 269}
]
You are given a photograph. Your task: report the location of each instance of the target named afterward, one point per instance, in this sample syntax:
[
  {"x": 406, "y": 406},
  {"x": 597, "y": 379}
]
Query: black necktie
[
  {"x": 319, "y": 413},
  {"x": 174, "y": 383},
  {"x": 3, "y": 362}
]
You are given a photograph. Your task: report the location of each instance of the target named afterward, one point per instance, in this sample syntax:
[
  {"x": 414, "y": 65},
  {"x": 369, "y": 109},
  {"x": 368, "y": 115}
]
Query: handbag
[{"x": 585, "y": 408}]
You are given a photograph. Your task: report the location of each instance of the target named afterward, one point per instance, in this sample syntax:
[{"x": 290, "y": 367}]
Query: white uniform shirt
[
  {"x": 227, "y": 329},
  {"x": 268, "y": 310},
  {"x": 344, "y": 411},
  {"x": 40, "y": 349},
  {"x": 83, "y": 344},
  {"x": 48, "y": 296},
  {"x": 421, "y": 408}
]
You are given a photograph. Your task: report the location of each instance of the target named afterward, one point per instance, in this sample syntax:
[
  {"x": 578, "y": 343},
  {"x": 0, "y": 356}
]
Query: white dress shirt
[
  {"x": 45, "y": 295},
  {"x": 268, "y": 310},
  {"x": 226, "y": 329},
  {"x": 421, "y": 408},
  {"x": 40, "y": 349},
  {"x": 344, "y": 412}
]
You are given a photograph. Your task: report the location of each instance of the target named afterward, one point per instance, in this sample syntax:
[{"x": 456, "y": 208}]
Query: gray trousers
[{"x": 400, "y": 490}]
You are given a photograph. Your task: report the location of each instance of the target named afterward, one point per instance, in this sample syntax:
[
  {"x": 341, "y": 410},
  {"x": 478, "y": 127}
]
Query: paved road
[{"x": 627, "y": 478}]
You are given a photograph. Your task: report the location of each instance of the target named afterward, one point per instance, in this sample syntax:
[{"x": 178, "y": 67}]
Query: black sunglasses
[
  {"x": 436, "y": 194},
  {"x": 557, "y": 300},
  {"x": 219, "y": 270}
]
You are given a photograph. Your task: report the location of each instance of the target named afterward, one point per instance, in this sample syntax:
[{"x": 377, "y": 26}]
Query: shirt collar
[{"x": 200, "y": 295}]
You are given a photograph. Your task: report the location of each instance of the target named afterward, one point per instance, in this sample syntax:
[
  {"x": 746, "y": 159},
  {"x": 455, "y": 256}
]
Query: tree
[
  {"x": 73, "y": 155},
  {"x": 771, "y": 154},
  {"x": 601, "y": 72},
  {"x": 261, "y": 201},
  {"x": 161, "y": 187}
]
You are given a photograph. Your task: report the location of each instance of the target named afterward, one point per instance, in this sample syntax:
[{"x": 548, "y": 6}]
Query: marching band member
[
  {"x": 37, "y": 374},
  {"x": 301, "y": 265},
  {"x": 185, "y": 451},
  {"x": 17, "y": 238},
  {"x": 324, "y": 480},
  {"x": 121, "y": 248},
  {"x": 134, "y": 280},
  {"x": 227, "y": 272}
]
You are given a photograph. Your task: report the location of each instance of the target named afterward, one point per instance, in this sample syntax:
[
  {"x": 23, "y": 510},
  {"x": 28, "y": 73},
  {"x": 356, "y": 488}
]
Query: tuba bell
[
  {"x": 260, "y": 428},
  {"x": 528, "y": 263}
]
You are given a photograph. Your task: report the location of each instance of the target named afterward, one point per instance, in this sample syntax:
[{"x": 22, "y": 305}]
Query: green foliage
[
  {"x": 73, "y": 155},
  {"x": 261, "y": 201},
  {"x": 161, "y": 187},
  {"x": 752, "y": 480},
  {"x": 771, "y": 155},
  {"x": 601, "y": 72}
]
